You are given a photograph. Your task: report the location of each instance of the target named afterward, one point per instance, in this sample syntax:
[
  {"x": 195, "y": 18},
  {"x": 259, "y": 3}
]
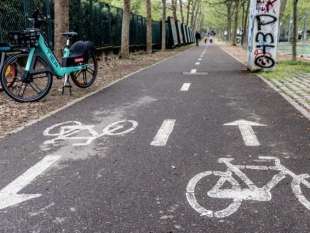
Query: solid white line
[
  {"x": 30, "y": 123},
  {"x": 185, "y": 86},
  {"x": 197, "y": 63},
  {"x": 163, "y": 133},
  {"x": 9, "y": 195},
  {"x": 193, "y": 71}
]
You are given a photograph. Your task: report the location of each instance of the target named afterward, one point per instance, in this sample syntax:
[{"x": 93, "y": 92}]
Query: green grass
[{"x": 286, "y": 69}]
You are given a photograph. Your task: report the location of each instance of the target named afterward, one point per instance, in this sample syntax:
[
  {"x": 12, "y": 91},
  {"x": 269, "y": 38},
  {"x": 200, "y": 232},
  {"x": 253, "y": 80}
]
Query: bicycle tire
[
  {"x": 19, "y": 60},
  {"x": 191, "y": 197},
  {"x": 10, "y": 84},
  {"x": 296, "y": 187},
  {"x": 76, "y": 76}
]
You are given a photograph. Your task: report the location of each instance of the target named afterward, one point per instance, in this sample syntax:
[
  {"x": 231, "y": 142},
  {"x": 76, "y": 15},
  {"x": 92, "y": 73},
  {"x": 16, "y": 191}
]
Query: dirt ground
[{"x": 14, "y": 115}]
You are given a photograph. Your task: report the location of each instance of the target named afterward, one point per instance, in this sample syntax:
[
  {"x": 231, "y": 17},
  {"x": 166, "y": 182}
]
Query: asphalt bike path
[{"x": 193, "y": 144}]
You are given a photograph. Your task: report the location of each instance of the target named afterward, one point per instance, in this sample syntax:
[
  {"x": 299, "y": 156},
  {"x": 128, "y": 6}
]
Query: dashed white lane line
[
  {"x": 162, "y": 136},
  {"x": 193, "y": 71},
  {"x": 185, "y": 86},
  {"x": 199, "y": 59},
  {"x": 197, "y": 63}
]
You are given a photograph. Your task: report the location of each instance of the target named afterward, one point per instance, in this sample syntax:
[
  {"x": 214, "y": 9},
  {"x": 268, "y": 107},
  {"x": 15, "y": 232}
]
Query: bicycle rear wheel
[
  {"x": 34, "y": 87},
  {"x": 86, "y": 77}
]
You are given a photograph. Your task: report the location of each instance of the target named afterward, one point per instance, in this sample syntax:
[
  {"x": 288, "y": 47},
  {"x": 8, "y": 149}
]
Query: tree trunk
[
  {"x": 282, "y": 9},
  {"x": 194, "y": 10},
  {"x": 234, "y": 39},
  {"x": 295, "y": 30},
  {"x": 174, "y": 4},
  {"x": 125, "y": 30},
  {"x": 61, "y": 9},
  {"x": 189, "y": 3},
  {"x": 245, "y": 26},
  {"x": 197, "y": 15},
  {"x": 163, "y": 27},
  {"x": 181, "y": 10},
  {"x": 149, "y": 42},
  {"x": 228, "y": 23}
]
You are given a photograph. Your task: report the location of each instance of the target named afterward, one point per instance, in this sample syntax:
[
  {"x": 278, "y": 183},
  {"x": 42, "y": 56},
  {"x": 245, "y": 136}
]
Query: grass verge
[{"x": 286, "y": 69}]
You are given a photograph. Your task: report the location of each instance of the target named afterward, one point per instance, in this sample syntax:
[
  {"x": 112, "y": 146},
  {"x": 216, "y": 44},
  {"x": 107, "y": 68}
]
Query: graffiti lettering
[
  {"x": 265, "y": 6},
  {"x": 265, "y": 19},
  {"x": 263, "y": 33}
]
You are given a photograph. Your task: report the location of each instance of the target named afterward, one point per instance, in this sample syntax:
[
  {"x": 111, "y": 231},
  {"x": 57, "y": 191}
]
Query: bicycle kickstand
[{"x": 67, "y": 84}]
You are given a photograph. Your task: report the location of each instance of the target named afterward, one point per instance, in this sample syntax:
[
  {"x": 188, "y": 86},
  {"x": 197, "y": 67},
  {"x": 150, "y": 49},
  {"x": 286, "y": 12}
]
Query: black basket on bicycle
[{"x": 24, "y": 39}]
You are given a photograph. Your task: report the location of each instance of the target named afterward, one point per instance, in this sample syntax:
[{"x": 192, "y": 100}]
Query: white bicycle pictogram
[
  {"x": 76, "y": 131},
  {"x": 252, "y": 192}
]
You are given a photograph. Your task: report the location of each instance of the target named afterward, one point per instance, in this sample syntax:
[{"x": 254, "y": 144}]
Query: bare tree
[
  {"x": 61, "y": 9},
  {"x": 163, "y": 27},
  {"x": 125, "y": 29},
  {"x": 148, "y": 26},
  {"x": 295, "y": 30}
]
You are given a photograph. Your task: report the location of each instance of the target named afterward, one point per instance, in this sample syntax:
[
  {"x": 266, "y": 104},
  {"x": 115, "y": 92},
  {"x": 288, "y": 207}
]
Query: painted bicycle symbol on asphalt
[
  {"x": 76, "y": 131},
  {"x": 252, "y": 192}
]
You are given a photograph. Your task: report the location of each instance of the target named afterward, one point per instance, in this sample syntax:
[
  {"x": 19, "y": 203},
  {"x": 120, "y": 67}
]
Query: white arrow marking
[
  {"x": 193, "y": 71},
  {"x": 9, "y": 195},
  {"x": 247, "y": 131}
]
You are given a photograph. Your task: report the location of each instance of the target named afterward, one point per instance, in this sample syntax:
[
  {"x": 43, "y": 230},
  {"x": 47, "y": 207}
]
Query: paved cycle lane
[{"x": 173, "y": 148}]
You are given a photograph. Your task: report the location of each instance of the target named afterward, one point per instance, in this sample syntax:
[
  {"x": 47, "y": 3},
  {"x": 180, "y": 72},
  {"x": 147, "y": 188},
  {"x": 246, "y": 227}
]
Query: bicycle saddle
[
  {"x": 82, "y": 48},
  {"x": 69, "y": 34}
]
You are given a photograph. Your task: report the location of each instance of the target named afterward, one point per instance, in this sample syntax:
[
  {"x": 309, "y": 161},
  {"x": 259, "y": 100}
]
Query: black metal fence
[{"x": 93, "y": 20}]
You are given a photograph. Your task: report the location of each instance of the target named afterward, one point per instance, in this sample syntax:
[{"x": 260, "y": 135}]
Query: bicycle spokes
[{"x": 23, "y": 88}]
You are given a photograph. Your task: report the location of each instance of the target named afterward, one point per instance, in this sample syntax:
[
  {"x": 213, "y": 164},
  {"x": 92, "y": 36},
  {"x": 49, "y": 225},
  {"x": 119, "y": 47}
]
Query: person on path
[{"x": 198, "y": 38}]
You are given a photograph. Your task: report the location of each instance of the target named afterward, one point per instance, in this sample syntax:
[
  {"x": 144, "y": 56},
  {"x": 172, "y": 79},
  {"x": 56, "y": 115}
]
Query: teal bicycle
[{"x": 34, "y": 72}]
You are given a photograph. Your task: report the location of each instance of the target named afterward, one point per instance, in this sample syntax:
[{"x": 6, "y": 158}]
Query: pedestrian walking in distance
[{"x": 198, "y": 38}]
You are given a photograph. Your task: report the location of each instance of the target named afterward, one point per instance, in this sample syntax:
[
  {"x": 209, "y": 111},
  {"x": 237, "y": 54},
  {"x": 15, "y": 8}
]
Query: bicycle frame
[
  {"x": 253, "y": 192},
  {"x": 237, "y": 194},
  {"x": 42, "y": 50}
]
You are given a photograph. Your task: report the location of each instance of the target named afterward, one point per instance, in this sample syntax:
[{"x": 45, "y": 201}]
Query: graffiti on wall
[{"x": 263, "y": 34}]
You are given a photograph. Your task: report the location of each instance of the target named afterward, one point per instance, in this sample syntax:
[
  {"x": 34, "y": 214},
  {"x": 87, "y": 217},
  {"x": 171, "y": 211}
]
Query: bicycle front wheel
[{"x": 21, "y": 89}]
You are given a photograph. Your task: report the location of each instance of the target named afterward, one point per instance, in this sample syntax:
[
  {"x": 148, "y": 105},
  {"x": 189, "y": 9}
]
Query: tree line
[
  {"x": 231, "y": 17},
  {"x": 187, "y": 11}
]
